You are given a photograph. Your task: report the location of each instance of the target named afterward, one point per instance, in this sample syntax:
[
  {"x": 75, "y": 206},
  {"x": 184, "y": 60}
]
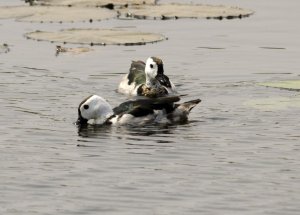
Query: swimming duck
[
  {"x": 147, "y": 79},
  {"x": 96, "y": 110}
]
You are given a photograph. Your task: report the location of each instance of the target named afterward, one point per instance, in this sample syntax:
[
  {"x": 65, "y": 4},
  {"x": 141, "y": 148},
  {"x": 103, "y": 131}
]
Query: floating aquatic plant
[
  {"x": 95, "y": 3},
  {"x": 274, "y": 103},
  {"x": 293, "y": 85},
  {"x": 73, "y": 51},
  {"x": 174, "y": 11},
  {"x": 97, "y": 36},
  {"x": 55, "y": 13}
]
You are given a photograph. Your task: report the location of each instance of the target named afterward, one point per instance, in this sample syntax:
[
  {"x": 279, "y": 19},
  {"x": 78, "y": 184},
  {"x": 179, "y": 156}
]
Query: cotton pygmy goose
[
  {"x": 96, "y": 110},
  {"x": 147, "y": 79}
]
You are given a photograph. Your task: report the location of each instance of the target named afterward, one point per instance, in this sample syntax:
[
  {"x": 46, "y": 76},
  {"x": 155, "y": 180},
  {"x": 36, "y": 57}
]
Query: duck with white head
[
  {"x": 96, "y": 110},
  {"x": 147, "y": 79}
]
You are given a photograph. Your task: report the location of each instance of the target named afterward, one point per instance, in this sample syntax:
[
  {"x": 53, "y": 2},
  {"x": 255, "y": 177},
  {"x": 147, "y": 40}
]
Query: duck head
[
  {"x": 152, "y": 67},
  {"x": 94, "y": 109},
  {"x": 155, "y": 70}
]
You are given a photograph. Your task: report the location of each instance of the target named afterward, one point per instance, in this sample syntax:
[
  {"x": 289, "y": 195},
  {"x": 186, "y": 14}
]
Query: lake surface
[{"x": 238, "y": 154}]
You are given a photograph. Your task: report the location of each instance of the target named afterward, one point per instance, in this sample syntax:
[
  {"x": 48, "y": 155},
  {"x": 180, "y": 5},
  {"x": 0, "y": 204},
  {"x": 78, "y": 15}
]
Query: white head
[
  {"x": 151, "y": 68},
  {"x": 94, "y": 108},
  {"x": 154, "y": 68}
]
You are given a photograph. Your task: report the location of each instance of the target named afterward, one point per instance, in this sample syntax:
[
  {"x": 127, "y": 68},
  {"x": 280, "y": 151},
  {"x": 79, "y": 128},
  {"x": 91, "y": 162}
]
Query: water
[{"x": 236, "y": 155}]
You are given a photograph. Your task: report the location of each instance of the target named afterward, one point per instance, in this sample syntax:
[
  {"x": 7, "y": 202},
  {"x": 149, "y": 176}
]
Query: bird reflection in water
[{"x": 160, "y": 133}]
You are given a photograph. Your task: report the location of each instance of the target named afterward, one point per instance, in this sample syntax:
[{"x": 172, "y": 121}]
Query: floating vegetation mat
[
  {"x": 273, "y": 104},
  {"x": 174, "y": 11},
  {"x": 97, "y": 36},
  {"x": 286, "y": 85},
  {"x": 278, "y": 103},
  {"x": 73, "y": 51},
  {"x": 55, "y": 14},
  {"x": 95, "y": 3}
]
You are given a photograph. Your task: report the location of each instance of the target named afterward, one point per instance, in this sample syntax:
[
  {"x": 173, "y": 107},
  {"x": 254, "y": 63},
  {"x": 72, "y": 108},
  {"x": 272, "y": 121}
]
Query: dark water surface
[{"x": 238, "y": 154}]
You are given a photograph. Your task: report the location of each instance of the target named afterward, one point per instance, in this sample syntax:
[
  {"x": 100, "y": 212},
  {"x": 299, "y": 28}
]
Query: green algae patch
[
  {"x": 174, "y": 11},
  {"x": 55, "y": 14},
  {"x": 95, "y": 3},
  {"x": 293, "y": 85},
  {"x": 97, "y": 36},
  {"x": 274, "y": 103}
]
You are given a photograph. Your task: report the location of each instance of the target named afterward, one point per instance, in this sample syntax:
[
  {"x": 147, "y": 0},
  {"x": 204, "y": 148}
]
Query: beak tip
[{"x": 81, "y": 121}]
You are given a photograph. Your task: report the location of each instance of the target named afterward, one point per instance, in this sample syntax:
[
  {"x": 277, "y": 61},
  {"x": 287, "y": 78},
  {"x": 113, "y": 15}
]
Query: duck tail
[
  {"x": 181, "y": 112},
  {"x": 188, "y": 106}
]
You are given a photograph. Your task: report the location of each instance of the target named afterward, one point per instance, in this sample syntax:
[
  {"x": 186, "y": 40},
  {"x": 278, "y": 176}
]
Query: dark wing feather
[
  {"x": 143, "y": 107},
  {"x": 140, "y": 111},
  {"x": 137, "y": 72},
  {"x": 164, "y": 80},
  {"x": 133, "y": 108},
  {"x": 123, "y": 108}
]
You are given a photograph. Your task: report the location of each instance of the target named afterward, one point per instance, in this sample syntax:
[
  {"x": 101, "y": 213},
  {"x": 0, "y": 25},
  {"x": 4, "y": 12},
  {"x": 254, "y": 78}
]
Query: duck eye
[
  {"x": 86, "y": 107},
  {"x": 151, "y": 66}
]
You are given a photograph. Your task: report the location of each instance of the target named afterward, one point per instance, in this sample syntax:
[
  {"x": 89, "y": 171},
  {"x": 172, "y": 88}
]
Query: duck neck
[
  {"x": 103, "y": 117},
  {"x": 151, "y": 82},
  {"x": 102, "y": 112},
  {"x": 108, "y": 114}
]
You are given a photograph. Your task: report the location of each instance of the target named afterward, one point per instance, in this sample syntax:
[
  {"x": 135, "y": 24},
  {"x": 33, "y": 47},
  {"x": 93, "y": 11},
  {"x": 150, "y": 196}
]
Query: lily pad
[
  {"x": 97, "y": 36},
  {"x": 171, "y": 11},
  {"x": 95, "y": 3},
  {"x": 293, "y": 85},
  {"x": 273, "y": 104},
  {"x": 55, "y": 14}
]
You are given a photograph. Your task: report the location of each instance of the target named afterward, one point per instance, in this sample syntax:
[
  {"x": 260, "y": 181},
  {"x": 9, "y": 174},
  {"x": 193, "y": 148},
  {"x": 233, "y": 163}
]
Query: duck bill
[{"x": 81, "y": 121}]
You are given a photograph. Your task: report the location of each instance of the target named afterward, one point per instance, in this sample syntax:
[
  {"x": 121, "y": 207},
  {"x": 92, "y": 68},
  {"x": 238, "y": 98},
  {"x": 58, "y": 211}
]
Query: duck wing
[
  {"x": 137, "y": 73},
  {"x": 143, "y": 107}
]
